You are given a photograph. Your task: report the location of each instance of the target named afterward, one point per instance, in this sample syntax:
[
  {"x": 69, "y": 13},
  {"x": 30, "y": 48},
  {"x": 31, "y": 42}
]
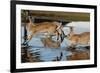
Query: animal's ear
[{"x": 27, "y": 20}]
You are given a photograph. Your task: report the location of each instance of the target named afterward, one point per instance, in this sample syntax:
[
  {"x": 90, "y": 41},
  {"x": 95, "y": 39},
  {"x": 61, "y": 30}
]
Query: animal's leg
[
  {"x": 29, "y": 37},
  {"x": 48, "y": 35},
  {"x": 57, "y": 34},
  {"x": 61, "y": 34},
  {"x": 44, "y": 43}
]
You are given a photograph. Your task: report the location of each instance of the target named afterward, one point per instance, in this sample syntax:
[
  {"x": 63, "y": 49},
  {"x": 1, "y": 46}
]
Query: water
[{"x": 49, "y": 54}]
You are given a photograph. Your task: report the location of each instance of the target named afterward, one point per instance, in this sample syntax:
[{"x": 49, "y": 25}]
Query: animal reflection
[
  {"x": 58, "y": 58},
  {"x": 79, "y": 55},
  {"x": 50, "y": 43}
]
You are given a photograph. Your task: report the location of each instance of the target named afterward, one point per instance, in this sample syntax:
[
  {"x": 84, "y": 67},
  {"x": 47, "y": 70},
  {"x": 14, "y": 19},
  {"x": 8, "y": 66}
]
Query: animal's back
[
  {"x": 45, "y": 27},
  {"x": 82, "y": 38}
]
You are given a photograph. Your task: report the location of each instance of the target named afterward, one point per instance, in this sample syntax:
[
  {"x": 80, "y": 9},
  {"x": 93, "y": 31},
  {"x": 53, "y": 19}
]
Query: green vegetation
[{"x": 54, "y": 15}]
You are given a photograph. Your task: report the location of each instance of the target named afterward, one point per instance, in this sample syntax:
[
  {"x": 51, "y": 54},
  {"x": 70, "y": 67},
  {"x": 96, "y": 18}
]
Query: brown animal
[
  {"x": 79, "y": 55},
  {"x": 82, "y": 38},
  {"x": 48, "y": 42},
  {"x": 52, "y": 28}
]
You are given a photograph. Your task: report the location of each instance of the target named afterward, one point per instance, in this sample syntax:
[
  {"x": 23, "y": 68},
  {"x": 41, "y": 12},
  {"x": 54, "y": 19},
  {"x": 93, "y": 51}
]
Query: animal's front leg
[
  {"x": 61, "y": 34},
  {"x": 29, "y": 37},
  {"x": 57, "y": 34}
]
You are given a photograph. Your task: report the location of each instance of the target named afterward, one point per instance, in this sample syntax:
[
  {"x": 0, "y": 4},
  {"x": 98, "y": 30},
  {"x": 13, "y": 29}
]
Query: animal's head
[
  {"x": 46, "y": 39},
  {"x": 71, "y": 32},
  {"x": 68, "y": 35},
  {"x": 29, "y": 20}
]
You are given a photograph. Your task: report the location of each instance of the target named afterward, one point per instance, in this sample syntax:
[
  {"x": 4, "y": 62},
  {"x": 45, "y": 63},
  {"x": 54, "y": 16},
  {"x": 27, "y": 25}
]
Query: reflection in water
[
  {"x": 36, "y": 52},
  {"x": 48, "y": 54},
  {"x": 41, "y": 54}
]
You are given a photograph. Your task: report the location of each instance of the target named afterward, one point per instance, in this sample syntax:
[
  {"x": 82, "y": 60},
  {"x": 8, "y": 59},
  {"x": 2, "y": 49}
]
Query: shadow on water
[
  {"x": 42, "y": 54},
  {"x": 28, "y": 56}
]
